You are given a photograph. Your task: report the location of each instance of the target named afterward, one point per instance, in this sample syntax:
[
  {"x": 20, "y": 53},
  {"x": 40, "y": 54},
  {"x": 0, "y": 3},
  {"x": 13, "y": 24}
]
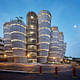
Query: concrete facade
[
  {"x": 15, "y": 41},
  {"x": 44, "y": 24},
  {"x": 31, "y": 37},
  {"x": 1, "y": 47},
  {"x": 54, "y": 45},
  {"x": 35, "y": 42}
]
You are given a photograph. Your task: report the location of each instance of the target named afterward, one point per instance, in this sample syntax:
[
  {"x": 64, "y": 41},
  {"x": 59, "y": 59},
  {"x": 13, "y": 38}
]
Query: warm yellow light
[
  {"x": 61, "y": 59},
  {"x": 18, "y": 32},
  {"x": 54, "y": 57},
  {"x": 24, "y": 41},
  {"x": 68, "y": 61},
  {"x": 28, "y": 55},
  {"x": 65, "y": 60},
  {"x": 5, "y": 55},
  {"x": 18, "y": 48},
  {"x": 32, "y": 39},
  {"x": 18, "y": 25},
  {"x": 32, "y": 26},
  {"x": 43, "y": 43},
  {"x": 31, "y": 32}
]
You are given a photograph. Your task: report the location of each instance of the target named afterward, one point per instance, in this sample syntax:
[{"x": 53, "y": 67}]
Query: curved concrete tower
[
  {"x": 61, "y": 44},
  {"x": 44, "y": 24},
  {"x": 15, "y": 41},
  {"x": 54, "y": 44}
]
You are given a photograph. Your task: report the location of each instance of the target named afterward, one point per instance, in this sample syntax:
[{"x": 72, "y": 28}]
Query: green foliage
[{"x": 19, "y": 19}]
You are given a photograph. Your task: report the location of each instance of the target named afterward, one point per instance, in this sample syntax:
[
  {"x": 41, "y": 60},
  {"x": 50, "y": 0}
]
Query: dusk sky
[{"x": 65, "y": 15}]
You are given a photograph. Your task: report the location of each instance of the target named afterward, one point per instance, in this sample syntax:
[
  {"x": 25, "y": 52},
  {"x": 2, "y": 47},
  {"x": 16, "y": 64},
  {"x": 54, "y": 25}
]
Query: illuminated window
[
  {"x": 18, "y": 48},
  {"x": 33, "y": 53},
  {"x": 32, "y": 39},
  {"x": 32, "y": 27},
  {"x": 32, "y": 47},
  {"x": 14, "y": 40},
  {"x": 31, "y": 17},
  {"x": 31, "y": 32}
]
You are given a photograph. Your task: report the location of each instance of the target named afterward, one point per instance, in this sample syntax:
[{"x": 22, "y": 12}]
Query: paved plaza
[{"x": 32, "y": 72}]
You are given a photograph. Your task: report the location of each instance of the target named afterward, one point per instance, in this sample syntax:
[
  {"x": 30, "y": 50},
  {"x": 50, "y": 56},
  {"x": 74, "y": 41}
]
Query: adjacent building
[
  {"x": 7, "y": 41},
  {"x": 54, "y": 45},
  {"x": 44, "y": 24},
  {"x": 57, "y": 46},
  {"x": 1, "y": 47},
  {"x": 64, "y": 49},
  {"x": 15, "y": 40},
  {"x": 62, "y": 45}
]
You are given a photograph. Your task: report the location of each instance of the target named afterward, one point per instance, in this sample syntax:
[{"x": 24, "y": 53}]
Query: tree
[{"x": 19, "y": 19}]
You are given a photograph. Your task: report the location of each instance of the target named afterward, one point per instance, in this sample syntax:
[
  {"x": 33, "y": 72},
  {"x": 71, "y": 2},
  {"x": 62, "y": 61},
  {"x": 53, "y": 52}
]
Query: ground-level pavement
[
  {"x": 35, "y": 68},
  {"x": 12, "y": 71},
  {"x": 36, "y": 76}
]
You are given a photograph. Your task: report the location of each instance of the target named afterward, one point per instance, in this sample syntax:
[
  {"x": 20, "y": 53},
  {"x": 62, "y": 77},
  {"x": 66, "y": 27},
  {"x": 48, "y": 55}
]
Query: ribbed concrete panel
[
  {"x": 15, "y": 40},
  {"x": 44, "y": 24},
  {"x": 54, "y": 45},
  {"x": 7, "y": 39}
]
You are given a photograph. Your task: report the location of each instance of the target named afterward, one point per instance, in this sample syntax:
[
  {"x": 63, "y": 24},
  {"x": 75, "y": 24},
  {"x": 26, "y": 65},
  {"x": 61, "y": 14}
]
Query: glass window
[
  {"x": 31, "y": 17},
  {"x": 32, "y": 47}
]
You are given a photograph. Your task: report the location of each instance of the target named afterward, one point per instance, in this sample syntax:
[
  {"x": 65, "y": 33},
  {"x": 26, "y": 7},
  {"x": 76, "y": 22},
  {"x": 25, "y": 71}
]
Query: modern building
[
  {"x": 31, "y": 37},
  {"x": 15, "y": 40},
  {"x": 57, "y": 46},
  {"x": 35, "y": 42},
  {"x": 7, "y": 41},
  {"x": 64, "y": 49},
  {"x": 44, "y": 24},
  {"x": 61, "y": 45},
  {"x": 1, "y": 47},
  {"x": 54, "y": 45}
]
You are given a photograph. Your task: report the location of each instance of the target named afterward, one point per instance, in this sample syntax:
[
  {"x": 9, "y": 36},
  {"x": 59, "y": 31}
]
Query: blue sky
[{"x": 65, "y": 15}]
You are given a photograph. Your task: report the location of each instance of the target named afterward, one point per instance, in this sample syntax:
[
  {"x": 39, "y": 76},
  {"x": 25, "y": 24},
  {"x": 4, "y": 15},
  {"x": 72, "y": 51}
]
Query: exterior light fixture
[
  {"x": 54, "y": 57},
  {"x": 28, "y": 55},
  {"x": 61, "y": 59},
  {"x": 5, "y": 55},
  {"x": 31, "y": 17}
]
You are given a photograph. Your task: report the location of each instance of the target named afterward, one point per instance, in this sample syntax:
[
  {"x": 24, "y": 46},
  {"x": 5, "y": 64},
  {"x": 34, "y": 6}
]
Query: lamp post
[{"x": 28, "y": 56}]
